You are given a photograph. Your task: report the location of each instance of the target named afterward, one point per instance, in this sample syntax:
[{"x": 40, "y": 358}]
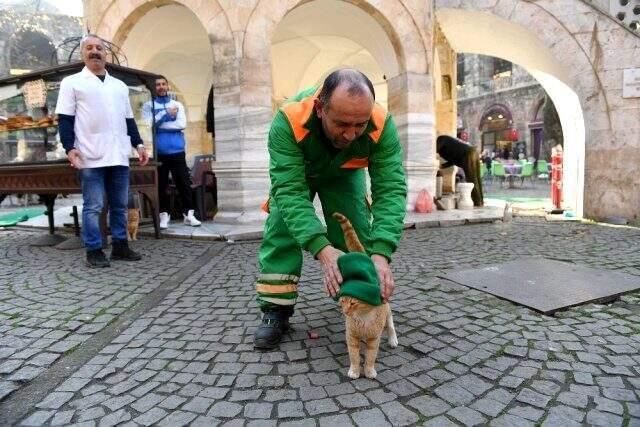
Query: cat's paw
[
  {"x": 393, "y": 341},
  {"x": 370, "y": 372},
  {"x": 353, "y": 373}
]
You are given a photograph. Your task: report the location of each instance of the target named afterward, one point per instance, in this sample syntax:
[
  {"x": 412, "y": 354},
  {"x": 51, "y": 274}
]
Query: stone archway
[
  {"x": 471, "y": 31},
  {"x": 198, "y": 53},
  {"x": 183, "y": 56},
  {"x": 501, "y": 111},
  {"x": 409, "y": 85},
  {"x": 494, "y": 125},
  {"x": 316, "y": 38}
]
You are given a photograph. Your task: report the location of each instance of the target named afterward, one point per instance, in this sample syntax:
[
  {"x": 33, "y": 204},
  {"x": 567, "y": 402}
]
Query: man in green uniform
[{"x": 319, "y": 144}]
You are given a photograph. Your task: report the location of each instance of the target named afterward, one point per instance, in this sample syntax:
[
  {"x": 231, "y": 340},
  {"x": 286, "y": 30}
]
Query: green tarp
[{"x": 21, "y": 215}]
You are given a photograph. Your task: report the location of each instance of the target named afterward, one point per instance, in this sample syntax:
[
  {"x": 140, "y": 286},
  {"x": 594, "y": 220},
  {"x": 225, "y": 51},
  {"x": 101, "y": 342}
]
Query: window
[
  {"x": 460, "y": 71},
  {"x": 501, "y": 68}
]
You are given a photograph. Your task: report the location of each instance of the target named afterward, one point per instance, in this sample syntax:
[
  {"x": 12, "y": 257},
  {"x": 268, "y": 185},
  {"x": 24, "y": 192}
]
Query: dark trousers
[{"x": 177, "y": 165}]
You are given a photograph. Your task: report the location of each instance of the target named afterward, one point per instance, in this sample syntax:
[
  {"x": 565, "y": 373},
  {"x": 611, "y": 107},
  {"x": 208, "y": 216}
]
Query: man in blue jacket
[{"x": 170, "y": 121}]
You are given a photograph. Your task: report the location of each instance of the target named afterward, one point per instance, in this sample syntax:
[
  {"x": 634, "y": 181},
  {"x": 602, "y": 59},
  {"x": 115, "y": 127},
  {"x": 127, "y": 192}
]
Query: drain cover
[{"x": 546, "y": 285}]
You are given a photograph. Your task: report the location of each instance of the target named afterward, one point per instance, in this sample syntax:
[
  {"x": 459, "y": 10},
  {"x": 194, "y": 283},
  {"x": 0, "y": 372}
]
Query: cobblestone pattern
[
  {"x": 465, "y": 357},
  {"x": 50, "y": 302}
]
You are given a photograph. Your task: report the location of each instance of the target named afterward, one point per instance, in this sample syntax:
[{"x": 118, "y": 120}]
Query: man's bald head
[
  {"x": 344, "y": 106},
  {"x": 354, "y": 81}
]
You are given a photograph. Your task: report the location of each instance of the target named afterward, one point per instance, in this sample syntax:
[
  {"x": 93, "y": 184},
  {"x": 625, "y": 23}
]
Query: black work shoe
[
  {"x": 120, "y": 251},
  {"x": 269, "y": 333},
  {"x": 97, "y": 259}
]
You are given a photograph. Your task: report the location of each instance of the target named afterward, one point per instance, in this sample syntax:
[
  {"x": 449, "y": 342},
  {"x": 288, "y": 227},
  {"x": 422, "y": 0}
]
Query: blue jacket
[{"x": 169, "y": 130}]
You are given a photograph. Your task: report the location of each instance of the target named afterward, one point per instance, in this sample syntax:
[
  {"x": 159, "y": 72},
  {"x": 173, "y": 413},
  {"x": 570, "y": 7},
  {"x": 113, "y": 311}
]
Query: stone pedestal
[
  {"x": 438, "y": 187},
  {"x": 448, "y": 179},
  {"x": 464, "y": 192},
  {"x": 242, "y": 188}
]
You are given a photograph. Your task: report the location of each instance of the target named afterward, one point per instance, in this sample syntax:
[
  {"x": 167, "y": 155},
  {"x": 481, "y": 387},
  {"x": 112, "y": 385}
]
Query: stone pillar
[
  {"x": 446, "y": 99},
  {"x": 242, "y": 117},
  {"x": 410, "y": 103}
]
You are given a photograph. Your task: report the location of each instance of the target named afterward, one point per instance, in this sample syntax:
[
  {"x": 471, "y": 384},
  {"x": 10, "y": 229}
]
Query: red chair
[{"x": 203, "y": 181}]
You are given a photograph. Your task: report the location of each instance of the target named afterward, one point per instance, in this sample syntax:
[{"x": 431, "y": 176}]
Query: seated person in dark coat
[{"x": 465, "y": 156}]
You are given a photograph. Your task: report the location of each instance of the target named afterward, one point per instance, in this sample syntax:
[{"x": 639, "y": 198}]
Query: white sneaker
[
  {"x": 190, "y": 219},
  {"x": 164, "y": 220}
]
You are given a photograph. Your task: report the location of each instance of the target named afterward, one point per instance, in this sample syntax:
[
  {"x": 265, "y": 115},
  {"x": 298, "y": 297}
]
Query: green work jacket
[{"x": 301, "y": 160}]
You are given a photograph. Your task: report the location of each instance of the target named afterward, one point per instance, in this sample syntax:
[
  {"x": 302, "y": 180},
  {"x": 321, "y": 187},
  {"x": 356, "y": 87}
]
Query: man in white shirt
[
  {"x": 97, "y": 130},
  {"x": 170, "y": 120}
]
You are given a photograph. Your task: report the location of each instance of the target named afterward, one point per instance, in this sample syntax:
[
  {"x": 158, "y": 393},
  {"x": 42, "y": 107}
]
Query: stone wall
[
  {"x": 521, "y": 103},
  {"x": 54, "y": 27}
]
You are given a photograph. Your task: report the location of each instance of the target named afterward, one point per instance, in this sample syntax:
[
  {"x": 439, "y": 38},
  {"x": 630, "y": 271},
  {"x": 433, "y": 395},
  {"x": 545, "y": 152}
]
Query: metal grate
[{"x": 546, "y": 285}]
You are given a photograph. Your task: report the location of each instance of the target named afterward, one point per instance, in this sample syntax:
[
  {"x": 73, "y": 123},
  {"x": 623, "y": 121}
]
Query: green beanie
[{"x": 359, "y": 278}]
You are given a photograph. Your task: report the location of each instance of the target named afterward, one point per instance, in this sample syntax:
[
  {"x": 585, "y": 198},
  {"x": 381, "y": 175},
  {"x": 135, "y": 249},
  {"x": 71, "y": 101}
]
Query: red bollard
[{"x": 556, "y": 176}]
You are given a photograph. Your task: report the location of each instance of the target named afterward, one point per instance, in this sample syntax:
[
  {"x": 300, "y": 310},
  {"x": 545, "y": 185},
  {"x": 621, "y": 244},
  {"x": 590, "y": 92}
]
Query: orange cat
[
  {"x": 133, "y": 219},
  {"x": 364, "y": 322}
]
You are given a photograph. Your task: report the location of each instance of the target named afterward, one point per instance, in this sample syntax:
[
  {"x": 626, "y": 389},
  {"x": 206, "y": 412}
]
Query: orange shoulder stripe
[
  {"x": 378, "y": 116},
  {"x": 265, "y": 205},
  {"x": 357, "y": 163},
  {"x": 298, "y": 113}
]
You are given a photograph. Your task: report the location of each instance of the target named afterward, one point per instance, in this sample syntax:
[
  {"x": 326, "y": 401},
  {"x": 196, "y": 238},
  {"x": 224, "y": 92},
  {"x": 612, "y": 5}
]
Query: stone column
[
  {"x": 242, "y": 117},
  {"x": 411, "y": 104}
]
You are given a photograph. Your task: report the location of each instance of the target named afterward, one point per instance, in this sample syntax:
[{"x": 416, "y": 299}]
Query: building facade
[
  {"x": 250, "y": 55},
  {"x": 501, "y": 107}
]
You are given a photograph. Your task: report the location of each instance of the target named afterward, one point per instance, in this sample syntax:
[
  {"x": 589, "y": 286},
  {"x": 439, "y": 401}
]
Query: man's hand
[
  {"x": 384, "y": 275},
  {"x": 328, "y": 258},
  {"x": 74, "y": 158},
  {"x": 142, "y": 154},
  {"x": 172, "y": 111}
]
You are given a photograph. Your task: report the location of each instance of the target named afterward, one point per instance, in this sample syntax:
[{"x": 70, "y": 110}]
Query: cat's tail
[{"x": 350, "y": 237}]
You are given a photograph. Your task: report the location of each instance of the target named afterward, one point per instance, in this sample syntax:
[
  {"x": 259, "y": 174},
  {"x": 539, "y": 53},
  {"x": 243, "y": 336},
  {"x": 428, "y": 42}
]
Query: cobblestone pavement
[
  {"x": 50, "y": 302},
  {"x": 464, "y": 357}
]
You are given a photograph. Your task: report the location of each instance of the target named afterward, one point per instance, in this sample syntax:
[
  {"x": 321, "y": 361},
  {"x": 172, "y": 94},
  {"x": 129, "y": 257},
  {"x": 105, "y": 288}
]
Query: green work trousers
[{"x": 280, "y": 256}]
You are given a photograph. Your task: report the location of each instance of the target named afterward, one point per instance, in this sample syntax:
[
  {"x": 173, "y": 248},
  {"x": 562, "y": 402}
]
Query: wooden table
[{"x": 49, "y": 179}]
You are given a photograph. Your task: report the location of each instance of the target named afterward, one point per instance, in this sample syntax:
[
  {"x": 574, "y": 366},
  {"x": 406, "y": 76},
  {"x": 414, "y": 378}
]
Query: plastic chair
[
  {"x": 485, "y": 173},
  {"x": 542, "y": 170},
  {"x": 498, "y": 171},
  {"x": 527, "y": 172}
]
